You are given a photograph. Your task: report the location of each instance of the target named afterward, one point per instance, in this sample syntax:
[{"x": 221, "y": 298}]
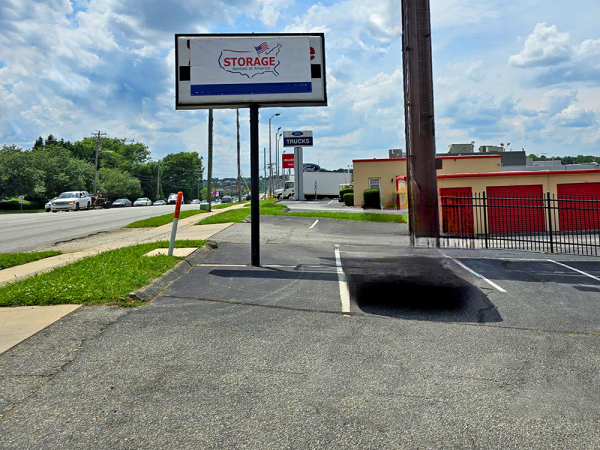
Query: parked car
[
  {"x": 71, "y": 201},
  {"x": 121, "y": 203},
  {"x": 195, "y": 201},
  {"x": 227, "y": 199},
  {"x": 48, "y": 206},
  {"x": 159, "y": 203},
  {"x": 173, "y": 199},
  {"x": 143, "y": 201},
  {"x": 248, "y": 197}
]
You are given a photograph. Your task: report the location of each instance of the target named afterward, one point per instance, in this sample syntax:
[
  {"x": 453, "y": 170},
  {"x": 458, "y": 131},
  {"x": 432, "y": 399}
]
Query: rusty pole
[{"x": 419, "y": 119}]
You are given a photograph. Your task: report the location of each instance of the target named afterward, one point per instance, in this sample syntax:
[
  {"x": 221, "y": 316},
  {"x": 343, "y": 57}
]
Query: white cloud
[{"x": 546, "y": 46}]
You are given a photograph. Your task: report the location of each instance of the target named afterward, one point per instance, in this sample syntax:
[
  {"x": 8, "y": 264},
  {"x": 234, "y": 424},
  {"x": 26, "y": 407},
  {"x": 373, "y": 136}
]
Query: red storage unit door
[
  {"x": 457, "y": 211},
  {"x": 579, "y": 206},
  {"x": 516, "y": 209}
]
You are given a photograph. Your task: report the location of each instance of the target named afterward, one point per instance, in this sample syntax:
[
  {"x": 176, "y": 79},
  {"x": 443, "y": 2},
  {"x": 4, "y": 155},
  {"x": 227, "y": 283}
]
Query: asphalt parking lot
[{"x": 423, "y": 354}]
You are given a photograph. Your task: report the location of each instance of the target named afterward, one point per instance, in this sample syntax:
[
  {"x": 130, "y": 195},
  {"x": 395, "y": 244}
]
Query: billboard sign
[
  {"x": 287, "y": 161},
  {"x": 297, "y": 138},
  {"x": 236, "y": 70}
]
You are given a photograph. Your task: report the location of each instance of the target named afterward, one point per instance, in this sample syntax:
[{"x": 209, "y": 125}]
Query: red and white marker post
[{"x": 175, "y": 221}]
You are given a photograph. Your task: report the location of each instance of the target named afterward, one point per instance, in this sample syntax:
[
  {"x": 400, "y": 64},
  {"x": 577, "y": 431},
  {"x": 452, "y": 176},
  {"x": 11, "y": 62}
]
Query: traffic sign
[{"x": 297, "y": 138}]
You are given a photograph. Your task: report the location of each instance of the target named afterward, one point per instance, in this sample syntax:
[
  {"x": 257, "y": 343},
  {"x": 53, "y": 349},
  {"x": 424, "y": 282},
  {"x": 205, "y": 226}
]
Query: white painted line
[
  {"x": 313, "y": 225},
  {"x": 468, "y": 269},
  {"x": 222, "y": 265},
  {"x": 330, "y": 202},
  {"x": 576, "y": 270},
  {"x": 343, "y": 283}
]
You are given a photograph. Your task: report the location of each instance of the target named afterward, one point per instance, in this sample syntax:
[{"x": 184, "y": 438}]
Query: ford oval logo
[
  {"x": 297, "y": 133},
  {"x": 309, "y": 167}
]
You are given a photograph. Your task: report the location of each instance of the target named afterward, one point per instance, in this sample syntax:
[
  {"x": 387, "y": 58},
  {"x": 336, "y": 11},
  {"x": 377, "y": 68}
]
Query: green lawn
[
  {"x": 105, "y": 278},
  {"x": 226, "y": 205},
  {"x": 16, "y": 259},
  {"x": 18, "y": 211},
  {"x": 162, "y": 220},
  {"x": 270, "y": 208}
]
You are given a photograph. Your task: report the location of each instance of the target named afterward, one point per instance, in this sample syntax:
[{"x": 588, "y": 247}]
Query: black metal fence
[{"x": 547, "y": 223}]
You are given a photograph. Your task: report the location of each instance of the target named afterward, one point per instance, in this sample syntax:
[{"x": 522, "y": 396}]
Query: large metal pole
[
  {"x": 265, "y": 169},
  {"x": 277, "y": 161},
  {"x": 254, "y": 187},
  {"x": 419, "y": 120},
  {"x": 210, "y": 159}
]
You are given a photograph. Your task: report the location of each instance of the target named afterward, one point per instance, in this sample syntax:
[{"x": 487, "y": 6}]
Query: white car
[
  {"x": 173, "y": 199},
  {"x": 72, "y": 201},
  {"x": 144, "y": 201},
  {"x": 48, "y": 206}
]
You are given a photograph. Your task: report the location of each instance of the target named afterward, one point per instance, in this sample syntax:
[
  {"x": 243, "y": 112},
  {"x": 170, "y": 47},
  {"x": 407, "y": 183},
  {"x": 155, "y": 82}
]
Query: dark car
[
  {"x": 227, "y": 199},
  {"x": 121, "y": 203},
  {"x": 249, "y": 197}
]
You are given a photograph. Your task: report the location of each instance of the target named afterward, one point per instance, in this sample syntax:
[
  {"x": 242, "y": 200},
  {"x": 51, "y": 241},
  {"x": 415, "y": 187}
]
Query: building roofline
[
  {"x": 437, "y": 157},
  {"x": 521, "y": 173}
]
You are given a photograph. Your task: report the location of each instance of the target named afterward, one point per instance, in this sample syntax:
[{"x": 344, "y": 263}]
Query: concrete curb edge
[{"x": 158, "y": 285}]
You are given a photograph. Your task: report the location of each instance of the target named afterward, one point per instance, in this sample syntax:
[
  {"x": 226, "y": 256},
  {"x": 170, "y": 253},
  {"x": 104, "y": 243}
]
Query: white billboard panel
[{"x": 232, "y": 71}]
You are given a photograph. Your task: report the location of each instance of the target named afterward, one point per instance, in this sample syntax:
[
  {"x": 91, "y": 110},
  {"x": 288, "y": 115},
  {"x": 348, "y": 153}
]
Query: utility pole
[
  {"x": 239, "y": 180},
  {"x": 271, "y": 157},
  {"x": 210, "y": 158},
  {"x": 419, "y": 121},
  {"x": 158, "y": 182},
  {"x": 265, "y": 168},
  {"x": 98, "y": 134}
]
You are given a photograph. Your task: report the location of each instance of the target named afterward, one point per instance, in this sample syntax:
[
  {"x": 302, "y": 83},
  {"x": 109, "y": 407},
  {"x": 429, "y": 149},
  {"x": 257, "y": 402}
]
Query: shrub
[
  {"x": 371, "y": 199},
  {"x": 13, "y": 204},
  {"x": 349, "y": 199},
  {"x": 346, "y": 190}
]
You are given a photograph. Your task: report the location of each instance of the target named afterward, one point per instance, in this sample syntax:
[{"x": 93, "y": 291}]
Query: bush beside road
[
  {"x": 16, "y": 259},
  {"x": 106, "y": 278}
]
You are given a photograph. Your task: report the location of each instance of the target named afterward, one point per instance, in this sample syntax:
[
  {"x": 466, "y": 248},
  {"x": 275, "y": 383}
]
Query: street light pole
[
  {"x": 277, "y": 158},
  {"x": 279, "y": 162},
  {"x": 271, "y": 156}
]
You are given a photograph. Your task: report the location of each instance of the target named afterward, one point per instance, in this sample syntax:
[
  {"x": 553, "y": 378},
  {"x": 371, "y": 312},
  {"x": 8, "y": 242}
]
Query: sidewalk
[{"x": 124, "y": 237}]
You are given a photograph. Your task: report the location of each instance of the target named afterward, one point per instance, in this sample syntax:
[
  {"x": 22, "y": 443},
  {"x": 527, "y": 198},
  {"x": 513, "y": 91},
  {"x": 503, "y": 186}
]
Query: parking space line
[
  {"x": 478, "y": 275},
  {"x": 342, "y": 281},
  {"x": 576, "y": 270},
  {"x": 313, "y": 225},
  {"x": 330, "y": 202}
]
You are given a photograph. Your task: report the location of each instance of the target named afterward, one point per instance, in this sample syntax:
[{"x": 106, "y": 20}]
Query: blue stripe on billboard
[{"x": 250, "y": 89}]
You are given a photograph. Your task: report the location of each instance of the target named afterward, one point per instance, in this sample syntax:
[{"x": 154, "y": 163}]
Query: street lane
[{"x": 25, "y": 232}]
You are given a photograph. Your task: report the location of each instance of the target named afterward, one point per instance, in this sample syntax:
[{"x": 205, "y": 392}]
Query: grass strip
[
  {"x": 104, "y": 278},
  {"x": 16, "y": 259},
  {"x": 162, "y": 220},
  {"x": 18, "y": 211},
  {"x": 270, "y": 208},
  {"x": 226, "y": 205}
]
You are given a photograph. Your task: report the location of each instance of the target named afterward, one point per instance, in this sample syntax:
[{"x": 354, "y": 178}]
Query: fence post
[
  {"x": 485, "y": 219},
  {"x": 549, "y": 212}
]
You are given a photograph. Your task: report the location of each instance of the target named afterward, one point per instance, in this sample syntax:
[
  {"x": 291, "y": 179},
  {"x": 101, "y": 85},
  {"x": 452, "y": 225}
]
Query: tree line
[
  {"x": 579, "y": 159},
  {"x": 125, "y": 170}
]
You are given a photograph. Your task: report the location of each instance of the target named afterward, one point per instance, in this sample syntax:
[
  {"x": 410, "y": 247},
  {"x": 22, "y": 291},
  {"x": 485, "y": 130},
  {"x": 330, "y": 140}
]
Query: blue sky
[{"x": 524, "y": 72}]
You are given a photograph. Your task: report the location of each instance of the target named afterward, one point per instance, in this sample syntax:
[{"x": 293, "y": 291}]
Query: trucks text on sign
[{"x": 297, "y": 138}]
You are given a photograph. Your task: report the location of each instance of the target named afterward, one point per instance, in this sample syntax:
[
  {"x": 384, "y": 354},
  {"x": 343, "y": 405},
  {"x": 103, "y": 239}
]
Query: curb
[{"x": 158, "y": 285}]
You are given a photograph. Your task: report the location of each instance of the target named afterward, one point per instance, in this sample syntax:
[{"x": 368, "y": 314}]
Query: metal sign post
[{"x": 251, "y": 71}]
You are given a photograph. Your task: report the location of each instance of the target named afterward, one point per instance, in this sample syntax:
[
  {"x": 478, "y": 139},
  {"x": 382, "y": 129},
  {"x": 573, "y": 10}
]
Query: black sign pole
[{"x": 254, "y": 187}]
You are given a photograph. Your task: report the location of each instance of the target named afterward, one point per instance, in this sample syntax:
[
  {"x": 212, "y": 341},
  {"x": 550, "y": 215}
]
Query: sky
[{"x": 522, "y": 72}]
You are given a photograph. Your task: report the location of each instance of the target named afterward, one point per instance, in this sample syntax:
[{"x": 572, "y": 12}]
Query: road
[
  {"x": 24, "y": 232},
  {"x": 500, "y": 351}
]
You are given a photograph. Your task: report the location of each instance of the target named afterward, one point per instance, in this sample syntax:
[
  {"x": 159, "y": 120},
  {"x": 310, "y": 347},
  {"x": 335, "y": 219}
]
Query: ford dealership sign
[{"x": 297, "y": 138}]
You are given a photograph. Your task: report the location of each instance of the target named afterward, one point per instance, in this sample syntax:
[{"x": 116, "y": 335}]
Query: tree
[
  {"x": 39, "y": 143},
  {"x": 115, "y": 183},
  {"x": 180, "y": 172},
  {"x": 17, "y": 174},
  {"x": 148, "y": 176},
  {"x": 60, "y": 171}
]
